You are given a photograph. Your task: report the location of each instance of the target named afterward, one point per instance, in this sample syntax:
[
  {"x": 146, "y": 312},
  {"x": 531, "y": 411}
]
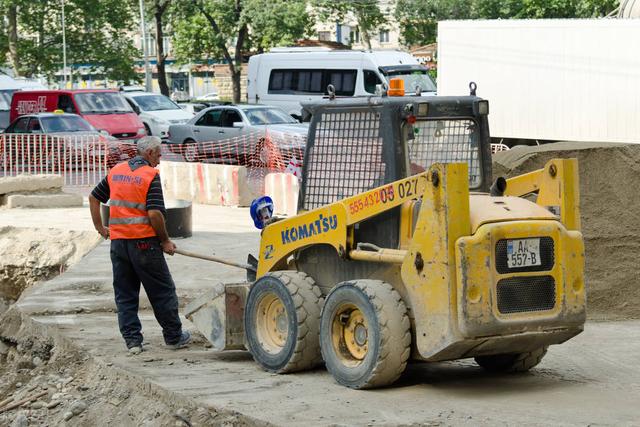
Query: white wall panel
[{"x": 573, "y": 80}]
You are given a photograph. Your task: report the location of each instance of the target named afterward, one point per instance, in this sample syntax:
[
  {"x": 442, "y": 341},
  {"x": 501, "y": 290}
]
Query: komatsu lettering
[{"x": 321, "y": 225}]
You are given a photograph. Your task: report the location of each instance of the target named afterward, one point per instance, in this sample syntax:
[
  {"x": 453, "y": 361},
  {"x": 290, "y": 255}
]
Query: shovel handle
[{"x": 215, "y": 259}]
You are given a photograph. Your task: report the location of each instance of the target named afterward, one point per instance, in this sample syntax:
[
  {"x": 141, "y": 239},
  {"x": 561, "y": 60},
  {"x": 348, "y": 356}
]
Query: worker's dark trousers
[{"x": 142, "y": 260}]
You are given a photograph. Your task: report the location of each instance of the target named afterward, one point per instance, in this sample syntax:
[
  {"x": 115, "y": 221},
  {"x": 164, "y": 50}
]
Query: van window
[
  {"x": 344, "y": 81},
  {"x": 371, "y": 79},
  {"x": 300, "y": 82},
  {"x": 210, "y": 118},
  {"x": 66, "y": 104},
  {"x": 101, "y": 103}
]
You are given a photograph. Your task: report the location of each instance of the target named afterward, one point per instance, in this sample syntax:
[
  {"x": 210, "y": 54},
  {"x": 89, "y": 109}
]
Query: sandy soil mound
[
  {"x": 610, "y": 211},
  {"x": 31, "y": 255}
]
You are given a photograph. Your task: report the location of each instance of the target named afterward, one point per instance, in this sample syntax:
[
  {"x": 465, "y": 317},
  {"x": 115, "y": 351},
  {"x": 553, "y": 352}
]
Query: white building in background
[{"x": 387, "y": 36}]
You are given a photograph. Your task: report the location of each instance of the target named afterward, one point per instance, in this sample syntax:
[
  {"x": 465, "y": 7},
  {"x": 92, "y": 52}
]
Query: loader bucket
[{"x": 219, "y": 315}]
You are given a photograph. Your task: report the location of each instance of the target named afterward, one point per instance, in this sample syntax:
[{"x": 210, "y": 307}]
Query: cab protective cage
[{"x": 359, "y": 144}]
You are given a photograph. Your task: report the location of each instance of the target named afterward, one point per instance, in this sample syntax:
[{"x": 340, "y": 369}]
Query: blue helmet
[{"x": 261, "y": 211}]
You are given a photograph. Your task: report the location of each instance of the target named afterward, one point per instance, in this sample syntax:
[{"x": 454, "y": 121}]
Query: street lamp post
[
  {"x": 147, "y": 71},
  {"x": 64, "y": 49}
]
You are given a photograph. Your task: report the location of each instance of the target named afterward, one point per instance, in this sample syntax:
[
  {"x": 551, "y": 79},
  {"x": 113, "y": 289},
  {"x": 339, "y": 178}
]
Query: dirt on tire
[{"x": 609, "y": 207}]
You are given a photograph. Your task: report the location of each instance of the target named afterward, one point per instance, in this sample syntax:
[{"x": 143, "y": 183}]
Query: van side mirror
[
  {"x": 238, "y": 124},
  {"x": 136, "y": 109}
]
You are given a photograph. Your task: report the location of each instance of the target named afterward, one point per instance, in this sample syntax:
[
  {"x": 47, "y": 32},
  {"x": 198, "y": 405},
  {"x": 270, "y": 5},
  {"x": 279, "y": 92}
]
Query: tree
[
  {"x": 366, "y": 12},
  {"x": 418, "y": 19},
  {"x": 93, "y": 29},
  {"x": 228, "y": 29},
  {"x": 158, "y": 8}
]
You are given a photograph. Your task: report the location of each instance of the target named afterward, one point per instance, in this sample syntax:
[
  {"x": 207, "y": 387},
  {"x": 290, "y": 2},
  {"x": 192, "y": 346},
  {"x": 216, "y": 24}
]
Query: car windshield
[
  {"x": 102, "y": 103},
  {"x": 267, "y": 116},
  {"x": 155, "y": 103},
  {"x": 5, "y": 101},
  {"x": 65, "y": 124},
  {"x": 413, "y": 77}
]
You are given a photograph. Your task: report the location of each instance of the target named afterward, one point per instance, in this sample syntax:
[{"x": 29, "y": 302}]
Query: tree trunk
[
  {"x": 12, "y": 32},
  {"x": 160, "y": 56},
  {"x": 236, "y": 75},
  {"x": 366, "y": 38}
]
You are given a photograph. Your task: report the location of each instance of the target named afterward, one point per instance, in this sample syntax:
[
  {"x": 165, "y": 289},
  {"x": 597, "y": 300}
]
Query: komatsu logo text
[{"x": 321, "y": 225}]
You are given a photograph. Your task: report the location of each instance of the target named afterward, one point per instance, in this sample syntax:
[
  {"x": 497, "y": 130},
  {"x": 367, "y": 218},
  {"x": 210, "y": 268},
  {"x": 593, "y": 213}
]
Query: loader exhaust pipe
[{"x": 498, "y": 187}]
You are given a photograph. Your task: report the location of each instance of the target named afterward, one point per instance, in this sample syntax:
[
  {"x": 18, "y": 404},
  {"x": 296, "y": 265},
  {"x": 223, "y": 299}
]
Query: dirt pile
[
  {"x": 610, "y": 211},
  {"x": 32, "y": 255},
  {"x": 46, "y": 381}
]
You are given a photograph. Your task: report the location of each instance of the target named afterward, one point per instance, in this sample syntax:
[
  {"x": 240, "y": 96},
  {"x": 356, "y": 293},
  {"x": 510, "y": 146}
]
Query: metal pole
[
  {"x": 145, "y": 50},
  {"x": 64, "y": 49}
]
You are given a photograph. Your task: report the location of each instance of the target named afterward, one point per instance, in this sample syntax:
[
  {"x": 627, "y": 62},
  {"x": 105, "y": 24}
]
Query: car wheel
[{"x": 190, "y": 150}]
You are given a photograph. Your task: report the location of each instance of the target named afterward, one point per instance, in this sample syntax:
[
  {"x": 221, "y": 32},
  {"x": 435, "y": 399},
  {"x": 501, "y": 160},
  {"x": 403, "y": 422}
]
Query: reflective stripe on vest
[
  {"x": 128, "y": 216},
  {"x": 134, "y": 220},
  {"x": 125, "y": 204}
]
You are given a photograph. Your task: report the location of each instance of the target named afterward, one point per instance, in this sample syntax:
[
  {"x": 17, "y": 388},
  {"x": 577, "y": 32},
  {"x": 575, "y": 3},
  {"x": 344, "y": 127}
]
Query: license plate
[{"x": 523, "y": 253}]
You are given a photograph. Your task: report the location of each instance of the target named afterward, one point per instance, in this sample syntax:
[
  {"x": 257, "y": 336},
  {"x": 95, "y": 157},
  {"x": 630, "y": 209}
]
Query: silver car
[{"x": 236, "y": 134}]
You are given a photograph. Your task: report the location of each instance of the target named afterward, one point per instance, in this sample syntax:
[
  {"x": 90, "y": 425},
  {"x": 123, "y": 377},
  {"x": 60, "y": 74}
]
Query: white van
[
  {"x": 285, "y": 77},
  {"x": 9, "y": 85}
]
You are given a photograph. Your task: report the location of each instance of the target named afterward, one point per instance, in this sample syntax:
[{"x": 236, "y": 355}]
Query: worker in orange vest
[{"x": 138, "y": 240}]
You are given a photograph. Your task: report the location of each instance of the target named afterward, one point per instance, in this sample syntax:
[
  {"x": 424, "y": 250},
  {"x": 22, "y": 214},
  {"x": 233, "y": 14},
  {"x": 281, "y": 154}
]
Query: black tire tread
[
  {"x": 395, "y": 332},
  {"x": 307, "y": 298}
]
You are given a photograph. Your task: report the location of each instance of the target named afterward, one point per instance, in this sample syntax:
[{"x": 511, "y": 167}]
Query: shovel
[{"x": 250, "y": 267}]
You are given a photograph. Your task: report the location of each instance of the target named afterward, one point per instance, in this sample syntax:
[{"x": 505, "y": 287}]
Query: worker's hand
[
  {"x": 104, "y": 231},
  {"x": 168, "y": 247}
]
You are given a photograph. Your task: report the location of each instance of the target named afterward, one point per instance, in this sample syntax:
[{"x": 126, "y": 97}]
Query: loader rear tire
[
  {"x": 282, "y": 321},
  {"x": 516, "y": 362},
  {"x": 365, "y": 334}
]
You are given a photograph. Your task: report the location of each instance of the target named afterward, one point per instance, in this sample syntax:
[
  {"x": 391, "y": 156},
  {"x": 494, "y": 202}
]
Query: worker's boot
[{"x": 185, "y": 338}]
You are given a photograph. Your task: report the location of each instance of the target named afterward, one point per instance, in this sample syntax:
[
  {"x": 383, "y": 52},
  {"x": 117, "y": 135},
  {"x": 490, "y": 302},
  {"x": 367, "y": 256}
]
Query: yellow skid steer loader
[{"x": 403, "y": 249}]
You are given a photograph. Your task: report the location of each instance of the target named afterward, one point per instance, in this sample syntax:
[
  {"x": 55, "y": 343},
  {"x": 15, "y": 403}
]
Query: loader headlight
[
  {"x": 481, "y": 107},
  {"x": 423, "y": 109}
]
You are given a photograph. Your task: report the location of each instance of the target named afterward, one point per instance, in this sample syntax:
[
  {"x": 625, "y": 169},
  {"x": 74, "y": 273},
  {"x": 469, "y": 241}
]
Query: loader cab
[{"x": 355, "y": 145}]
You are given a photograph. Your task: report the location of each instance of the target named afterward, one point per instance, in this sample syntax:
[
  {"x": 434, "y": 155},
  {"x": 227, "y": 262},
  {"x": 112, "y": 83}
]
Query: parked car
[
  {"x": 8, "y": 86},
  {"x": 79, "y": 139},
  {"x": 211, "y": 131},
  {"x": 156, "y": 111},
  {"x": 211, "y": 96},
  {"x": 104, "y": 109},
  {"x": 193, "y": 108}
]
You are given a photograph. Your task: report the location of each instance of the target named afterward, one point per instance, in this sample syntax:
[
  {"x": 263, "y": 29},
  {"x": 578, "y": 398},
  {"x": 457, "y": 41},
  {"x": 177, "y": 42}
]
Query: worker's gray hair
[{"x": 147, "y": 143}]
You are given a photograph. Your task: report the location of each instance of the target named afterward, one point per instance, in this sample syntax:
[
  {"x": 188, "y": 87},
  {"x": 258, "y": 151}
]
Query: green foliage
[
  {"x": 367, "y": 13},
  {"x": 418, "y": 18},
  {"x": 276, "y": 22},
  {"x": 269, "y": 22},
  {"x": 94, "y": 35}
]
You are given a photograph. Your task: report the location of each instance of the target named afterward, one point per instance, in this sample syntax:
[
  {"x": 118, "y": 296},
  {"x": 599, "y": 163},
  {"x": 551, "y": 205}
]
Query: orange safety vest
[{"x": 128, "y": 217}]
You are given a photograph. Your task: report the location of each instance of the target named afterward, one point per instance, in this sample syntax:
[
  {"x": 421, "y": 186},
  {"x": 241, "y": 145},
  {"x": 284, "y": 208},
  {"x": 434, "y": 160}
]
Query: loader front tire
[
  {"x": 282, "y": 321},
  {"x": 516, "y": 362},
  {"x": 365, "y": 334}
]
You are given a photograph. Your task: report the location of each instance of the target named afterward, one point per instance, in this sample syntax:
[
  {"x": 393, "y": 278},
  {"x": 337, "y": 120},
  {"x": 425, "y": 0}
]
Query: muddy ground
[{"x": 61, "y": 343}]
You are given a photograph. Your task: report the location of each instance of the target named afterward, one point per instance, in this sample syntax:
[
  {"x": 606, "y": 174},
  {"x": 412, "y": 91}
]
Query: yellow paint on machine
[{"x": 282, "y": 238}]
